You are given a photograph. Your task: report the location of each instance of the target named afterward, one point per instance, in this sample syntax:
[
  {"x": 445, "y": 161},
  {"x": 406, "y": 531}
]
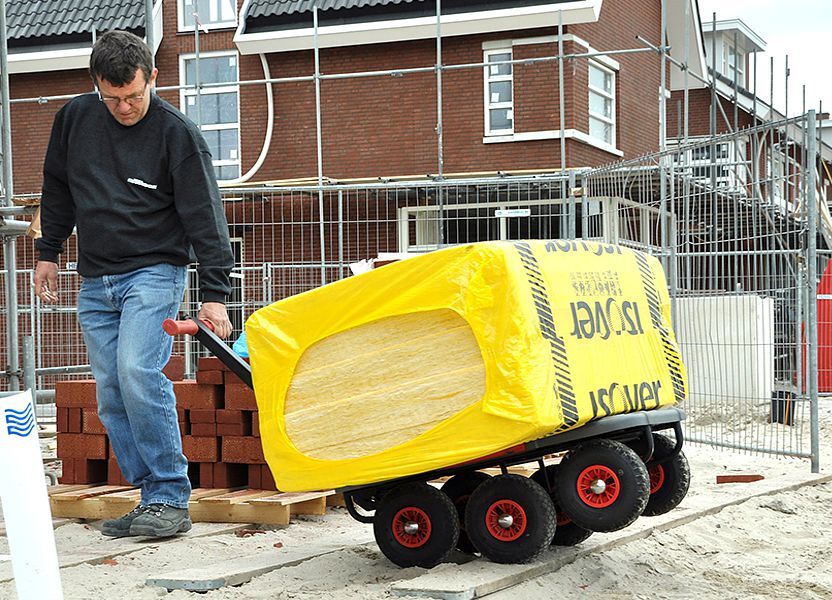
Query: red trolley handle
[{"x": 184, "y": 327}]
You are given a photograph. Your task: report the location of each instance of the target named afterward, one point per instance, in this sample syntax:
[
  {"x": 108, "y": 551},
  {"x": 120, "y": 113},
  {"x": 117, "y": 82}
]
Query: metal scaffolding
[{"x": 445, "y": 193}]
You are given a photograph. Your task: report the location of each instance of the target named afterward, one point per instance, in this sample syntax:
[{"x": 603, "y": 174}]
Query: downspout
[{"x": 269, "y": 128}]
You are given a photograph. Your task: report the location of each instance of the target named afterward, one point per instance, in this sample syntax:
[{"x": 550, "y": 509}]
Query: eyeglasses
[{"x": 114, "y": 101}]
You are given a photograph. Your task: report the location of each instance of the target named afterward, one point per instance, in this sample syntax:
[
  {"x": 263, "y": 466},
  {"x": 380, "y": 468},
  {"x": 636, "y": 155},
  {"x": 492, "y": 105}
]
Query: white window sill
[
  {"x": 531, "y": 136},
  {"x": 208, "y": 26}
]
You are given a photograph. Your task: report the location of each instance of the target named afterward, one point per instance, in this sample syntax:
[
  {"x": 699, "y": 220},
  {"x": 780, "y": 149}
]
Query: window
[
  {"x": 475, "y": 222},
  {"x": 601, "y": 103},
  {"x": 212, "y": 13},
  {"x": 721, "y": 164},
  {"x": 499, "y": 93},
  {"x": 733, "y": 61},
  {"x": 217, "y": 112}
]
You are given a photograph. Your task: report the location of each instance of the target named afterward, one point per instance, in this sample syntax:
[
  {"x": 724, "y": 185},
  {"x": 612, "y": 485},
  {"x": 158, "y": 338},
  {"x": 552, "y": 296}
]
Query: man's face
[{"x": 127, "y": 103}]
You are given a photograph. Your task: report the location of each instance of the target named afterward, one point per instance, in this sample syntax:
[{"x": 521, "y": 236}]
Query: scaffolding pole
[
  {"x": 812, "y": 277},
  {"x": 319, "y": 142},
  {"x": 9, "y": 242}
]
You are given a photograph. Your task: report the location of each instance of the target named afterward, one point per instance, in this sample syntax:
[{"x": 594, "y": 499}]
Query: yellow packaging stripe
[
  {"x": 563, "y": 378},
  {"x": 671, "y": 350}
]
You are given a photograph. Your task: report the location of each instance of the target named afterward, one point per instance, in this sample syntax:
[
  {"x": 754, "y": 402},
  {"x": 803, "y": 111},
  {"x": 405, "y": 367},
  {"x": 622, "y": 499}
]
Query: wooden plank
[
  {"x": 236, "y": 497},
  {"x": 200, "y": 493},
  {"x": 206, "y": 505},
  {"x": 68, "y": 487},
  {"x": 294, "y": 497},
  {"x": 93, "y": 508},
  {"x": 309, "y": 507},
  {"x": 239, "y": 512},
  {"x": 91, "y": 492},
  {"x": 132, "y": 497},
  {"x": 336, "y": 500},
  {"x": 739, "y": 478}
]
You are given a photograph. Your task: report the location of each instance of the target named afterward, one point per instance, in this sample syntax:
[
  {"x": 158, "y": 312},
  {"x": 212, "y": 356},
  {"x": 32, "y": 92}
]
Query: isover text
[{"x": 623, "y": 398}]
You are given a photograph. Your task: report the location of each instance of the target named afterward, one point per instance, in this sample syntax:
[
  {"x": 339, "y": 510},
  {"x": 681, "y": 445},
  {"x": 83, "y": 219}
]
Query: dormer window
[
  {"x": 733, "y": 61},
  {"x": 731, "y": 42}
]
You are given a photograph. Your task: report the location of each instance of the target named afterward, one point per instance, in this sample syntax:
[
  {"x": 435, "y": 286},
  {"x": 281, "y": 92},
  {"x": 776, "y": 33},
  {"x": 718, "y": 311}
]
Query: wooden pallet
[{"x": 206, "y": 505}]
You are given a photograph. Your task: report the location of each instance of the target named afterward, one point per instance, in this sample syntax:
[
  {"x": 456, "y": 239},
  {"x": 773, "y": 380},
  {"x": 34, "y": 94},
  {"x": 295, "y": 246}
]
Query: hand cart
[{"x": 613, "y": 470}]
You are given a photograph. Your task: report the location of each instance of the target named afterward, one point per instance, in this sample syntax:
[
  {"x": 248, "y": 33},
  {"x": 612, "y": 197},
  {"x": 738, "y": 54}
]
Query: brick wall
[
  {"x": 638, "y": 81},
  {"x": 699, "y": 114},
  {"x": 384, "y": 126}
]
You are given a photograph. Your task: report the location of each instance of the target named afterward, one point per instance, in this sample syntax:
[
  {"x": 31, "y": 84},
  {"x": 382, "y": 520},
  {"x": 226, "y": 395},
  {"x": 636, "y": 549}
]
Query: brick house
[
  {"x": 501, "y": 118},
  {"x": 731, "y": 48}
]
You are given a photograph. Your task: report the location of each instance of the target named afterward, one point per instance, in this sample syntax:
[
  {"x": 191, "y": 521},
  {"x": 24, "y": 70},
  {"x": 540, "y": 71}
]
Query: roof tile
[{"x": 47, "y": 18}]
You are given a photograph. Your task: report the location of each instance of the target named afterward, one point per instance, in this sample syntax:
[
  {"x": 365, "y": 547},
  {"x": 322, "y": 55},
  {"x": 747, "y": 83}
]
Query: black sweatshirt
[{"x": 139, "y": 195}]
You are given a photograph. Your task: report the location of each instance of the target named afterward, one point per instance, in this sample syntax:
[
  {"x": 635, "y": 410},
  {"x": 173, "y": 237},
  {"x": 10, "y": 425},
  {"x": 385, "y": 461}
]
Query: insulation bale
[{"x": 456, "y": 354}]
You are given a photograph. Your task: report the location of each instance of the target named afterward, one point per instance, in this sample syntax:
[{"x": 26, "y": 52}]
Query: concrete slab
[
  {"x": 112, "y": 547},
  {"x": 480, "y": 577},
  {"x": 236, "y": 572}
]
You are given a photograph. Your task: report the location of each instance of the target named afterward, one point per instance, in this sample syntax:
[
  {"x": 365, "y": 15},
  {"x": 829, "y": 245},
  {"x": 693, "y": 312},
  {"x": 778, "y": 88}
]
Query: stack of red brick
[{"x": 217, "y": 418}]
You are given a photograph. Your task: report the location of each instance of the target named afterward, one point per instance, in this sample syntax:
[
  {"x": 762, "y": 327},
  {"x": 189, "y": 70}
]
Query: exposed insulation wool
[{"x": 377, "y": 385}]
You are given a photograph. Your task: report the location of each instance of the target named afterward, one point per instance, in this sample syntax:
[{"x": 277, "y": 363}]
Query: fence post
[{"x": 812, "y": 316}]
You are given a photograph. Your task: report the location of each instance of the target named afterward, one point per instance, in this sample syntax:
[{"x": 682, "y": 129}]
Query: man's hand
[
  {"x": 215, "y": 313},
  {"x": 46, "y": 281}
]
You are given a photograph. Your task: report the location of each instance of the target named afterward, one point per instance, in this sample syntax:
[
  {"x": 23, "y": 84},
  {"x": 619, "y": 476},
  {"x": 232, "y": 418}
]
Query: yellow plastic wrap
[{"x": 451, "y": 356}]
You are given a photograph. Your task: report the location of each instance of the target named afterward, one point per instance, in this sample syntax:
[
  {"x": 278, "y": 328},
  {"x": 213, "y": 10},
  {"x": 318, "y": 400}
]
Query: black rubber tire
[
  {"x": 627, "y": 485},
  {"x": 534, "y": 519},
  {"x": 676, "y": 480},
  {"x": 459, "y": 488},
  {"x": 567, "y": 533},
  {"x": 427, "y": 502}
]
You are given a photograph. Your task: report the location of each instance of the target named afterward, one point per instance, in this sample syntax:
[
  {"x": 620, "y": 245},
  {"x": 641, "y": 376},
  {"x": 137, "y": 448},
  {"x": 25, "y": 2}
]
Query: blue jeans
[{"x": 121, "y": 317}]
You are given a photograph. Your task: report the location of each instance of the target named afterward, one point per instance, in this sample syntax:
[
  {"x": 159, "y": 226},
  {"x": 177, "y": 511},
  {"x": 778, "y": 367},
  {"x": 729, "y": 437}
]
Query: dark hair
[{"x": 116, "y": 56}]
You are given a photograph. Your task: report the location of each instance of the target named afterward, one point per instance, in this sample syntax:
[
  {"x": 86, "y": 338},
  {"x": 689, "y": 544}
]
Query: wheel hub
[
  {"x": 411, "y": 527},
  {"x": 598, "y": 486},
  {"x": 505, "y": 521}
]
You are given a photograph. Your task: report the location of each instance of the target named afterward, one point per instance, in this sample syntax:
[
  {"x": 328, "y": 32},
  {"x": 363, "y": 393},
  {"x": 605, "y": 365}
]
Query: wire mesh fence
[{"x": 727, "y": 216}]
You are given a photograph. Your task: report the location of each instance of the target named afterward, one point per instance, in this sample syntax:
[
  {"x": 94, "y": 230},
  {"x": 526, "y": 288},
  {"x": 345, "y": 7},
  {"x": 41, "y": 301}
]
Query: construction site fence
[{"x": 730, "y": 217}]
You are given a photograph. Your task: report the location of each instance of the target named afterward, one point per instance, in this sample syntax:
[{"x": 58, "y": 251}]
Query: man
[{"x": 135, "y": 177}]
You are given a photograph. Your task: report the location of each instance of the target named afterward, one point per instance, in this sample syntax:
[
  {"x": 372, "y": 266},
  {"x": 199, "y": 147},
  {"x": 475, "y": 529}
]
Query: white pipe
[{"x": 269, "y": 128}]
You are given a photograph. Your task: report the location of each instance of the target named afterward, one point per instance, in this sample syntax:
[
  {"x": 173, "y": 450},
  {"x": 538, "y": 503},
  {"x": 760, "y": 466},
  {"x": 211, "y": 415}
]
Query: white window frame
[
  {"x": 739, "y": 63},
  {"x": 184, "y": 94},
  {"x": 487, "y": 79},
  {"x": 731, "y": 175},
  {"x": 180, "y": 15},
  {"x": 605, "y": 94},
  {"x": 426, "y": 217}
]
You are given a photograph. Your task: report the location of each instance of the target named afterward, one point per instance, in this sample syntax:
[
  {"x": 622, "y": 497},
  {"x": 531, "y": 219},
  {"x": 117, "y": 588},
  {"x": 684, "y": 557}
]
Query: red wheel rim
[
  {"x": 505, "y": 520},
  {"x": 598, "y": 486},
  {"x": 561, "y": 519},
  {"x": 411, "y": 527},
  {"x": 656, "y": 473}
]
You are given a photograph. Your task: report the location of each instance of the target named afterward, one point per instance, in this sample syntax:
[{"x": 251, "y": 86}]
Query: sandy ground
[{"x": 770, "y": 546}]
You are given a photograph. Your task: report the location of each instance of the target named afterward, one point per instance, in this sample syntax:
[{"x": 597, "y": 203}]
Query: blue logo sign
[{"x": 20, "y": 422}]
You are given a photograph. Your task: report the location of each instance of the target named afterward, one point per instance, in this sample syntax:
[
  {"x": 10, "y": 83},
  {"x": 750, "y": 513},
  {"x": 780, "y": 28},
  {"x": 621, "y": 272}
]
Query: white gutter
[{"x": 376, "y": 32}]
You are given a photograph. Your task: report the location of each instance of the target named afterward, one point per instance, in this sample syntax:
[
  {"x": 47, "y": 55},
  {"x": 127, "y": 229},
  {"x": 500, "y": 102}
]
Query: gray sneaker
[
  {"x": 161, "y": 520},
  {"x": 121, "y": 527}
]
